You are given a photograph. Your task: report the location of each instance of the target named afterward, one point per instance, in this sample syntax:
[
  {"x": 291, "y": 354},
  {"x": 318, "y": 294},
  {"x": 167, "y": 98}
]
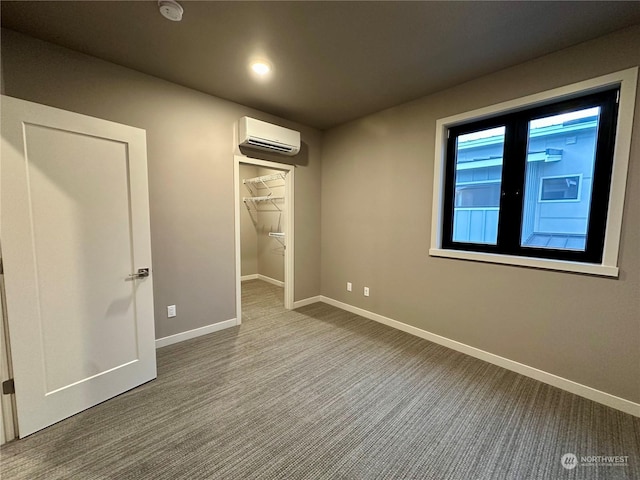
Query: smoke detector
[{"x": 170, "y": 10}]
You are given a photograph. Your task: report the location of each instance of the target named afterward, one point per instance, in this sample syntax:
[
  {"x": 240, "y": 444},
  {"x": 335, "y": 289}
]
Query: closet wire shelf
[{"x": 260, "y": 183}]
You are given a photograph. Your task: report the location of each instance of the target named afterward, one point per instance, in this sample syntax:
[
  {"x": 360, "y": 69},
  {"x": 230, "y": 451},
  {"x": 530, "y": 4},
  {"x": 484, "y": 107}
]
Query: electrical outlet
[
  {"x": 349, "y": 286},
  {"x": 171, "y": 311},
  {"x": 366, "y": 291}
]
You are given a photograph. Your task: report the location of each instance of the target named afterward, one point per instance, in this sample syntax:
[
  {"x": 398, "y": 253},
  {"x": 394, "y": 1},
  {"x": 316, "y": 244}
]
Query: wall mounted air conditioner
[{"x": 266, "y": 136}]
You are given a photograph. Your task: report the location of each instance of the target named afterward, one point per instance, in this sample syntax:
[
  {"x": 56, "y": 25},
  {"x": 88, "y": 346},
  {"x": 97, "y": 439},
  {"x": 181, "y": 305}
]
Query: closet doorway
[{"x": 264, "y": 225}]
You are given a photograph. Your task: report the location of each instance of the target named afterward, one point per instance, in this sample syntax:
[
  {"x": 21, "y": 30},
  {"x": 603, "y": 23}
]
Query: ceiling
[{"x": 333, "y": 61}]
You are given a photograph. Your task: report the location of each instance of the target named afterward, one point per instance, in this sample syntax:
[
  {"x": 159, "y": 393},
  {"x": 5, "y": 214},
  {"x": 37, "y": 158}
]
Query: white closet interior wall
[
  {"x": 248, "y": 232},
  {"x": 262, "y": 254}
]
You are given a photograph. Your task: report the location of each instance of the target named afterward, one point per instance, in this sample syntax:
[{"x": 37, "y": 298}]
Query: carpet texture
[{"x": 320, "y": 393}]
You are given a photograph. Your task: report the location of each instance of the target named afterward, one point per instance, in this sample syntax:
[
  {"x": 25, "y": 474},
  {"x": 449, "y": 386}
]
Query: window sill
[{"x": 545, "y": 264}]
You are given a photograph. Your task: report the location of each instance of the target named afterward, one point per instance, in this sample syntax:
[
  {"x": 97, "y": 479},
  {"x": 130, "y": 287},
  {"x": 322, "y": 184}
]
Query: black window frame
[{"x": 513, "y": 178}]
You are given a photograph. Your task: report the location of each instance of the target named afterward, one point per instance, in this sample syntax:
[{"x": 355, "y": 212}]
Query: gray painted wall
[
  {"x": 190, "y": 140},
  {"x": 377, "y": 178}
]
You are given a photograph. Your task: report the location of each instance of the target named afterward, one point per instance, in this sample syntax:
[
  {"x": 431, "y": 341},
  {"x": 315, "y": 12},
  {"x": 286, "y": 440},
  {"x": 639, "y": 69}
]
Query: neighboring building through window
[
  {"x": 536, "y": 181},
  {"x": 557, "y": 145}
]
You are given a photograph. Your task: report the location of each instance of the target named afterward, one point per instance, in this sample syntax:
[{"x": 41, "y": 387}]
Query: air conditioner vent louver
[
  {"x": 270, "y": 145},
  {"x": 266, "y": 136}
]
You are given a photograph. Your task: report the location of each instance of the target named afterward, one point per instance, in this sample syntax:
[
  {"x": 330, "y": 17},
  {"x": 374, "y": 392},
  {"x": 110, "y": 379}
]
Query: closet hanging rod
[
  {"x": 279, "y": 237},
  {"x": 265, "y": 178}
]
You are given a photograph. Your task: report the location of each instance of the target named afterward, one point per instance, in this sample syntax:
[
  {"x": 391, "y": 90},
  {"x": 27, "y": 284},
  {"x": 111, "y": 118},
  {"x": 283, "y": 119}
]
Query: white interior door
[{"x": 74, "y": 226}]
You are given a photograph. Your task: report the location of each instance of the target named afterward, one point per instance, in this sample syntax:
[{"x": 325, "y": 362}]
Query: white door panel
[{"x": 74, "y": 226}]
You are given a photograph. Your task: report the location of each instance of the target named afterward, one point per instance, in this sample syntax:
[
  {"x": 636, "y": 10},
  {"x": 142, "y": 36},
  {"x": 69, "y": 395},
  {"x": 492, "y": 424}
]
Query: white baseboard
[
  {"x": 196, "y": 332},
  {"x": 257, "y": 276},
  {"x": 273, "y": 281},
  {"x": 307, "y": 301},
  {"x": 569, "y": 385}
]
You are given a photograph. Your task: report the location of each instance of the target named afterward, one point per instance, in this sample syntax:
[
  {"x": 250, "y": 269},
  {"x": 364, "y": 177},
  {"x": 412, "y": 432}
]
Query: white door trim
[{"x": 288, "y": 228}]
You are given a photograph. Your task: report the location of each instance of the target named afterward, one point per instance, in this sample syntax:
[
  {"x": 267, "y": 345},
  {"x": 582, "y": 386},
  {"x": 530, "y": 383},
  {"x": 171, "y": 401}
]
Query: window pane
[
  {"x": 558, "y": 181},
  {"x": 477, "y": 186},
  {"x": 560, "y": 188},
  {"x": 478, "y": 195}
]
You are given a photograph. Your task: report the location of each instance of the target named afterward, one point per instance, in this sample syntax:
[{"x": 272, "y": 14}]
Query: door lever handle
[{"x": 142, "y": 273}]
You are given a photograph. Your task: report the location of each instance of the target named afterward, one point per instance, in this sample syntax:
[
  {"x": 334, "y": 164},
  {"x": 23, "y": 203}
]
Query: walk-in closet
[{"x": 262, "y": 228}]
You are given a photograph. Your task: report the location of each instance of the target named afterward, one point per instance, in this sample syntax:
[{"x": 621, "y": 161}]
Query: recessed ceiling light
[{"x": 261, "y": 68}]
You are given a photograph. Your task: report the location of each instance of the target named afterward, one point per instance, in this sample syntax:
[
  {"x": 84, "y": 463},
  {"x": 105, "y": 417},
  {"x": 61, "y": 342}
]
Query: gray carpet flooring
[{"x": 320, "y": 393}]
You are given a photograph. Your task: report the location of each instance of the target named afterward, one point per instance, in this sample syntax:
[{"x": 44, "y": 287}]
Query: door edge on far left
[{"x": 8, "y": 425}]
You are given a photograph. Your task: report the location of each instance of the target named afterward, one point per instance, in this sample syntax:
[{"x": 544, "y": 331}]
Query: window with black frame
[{"x": 533, "y": 182}]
